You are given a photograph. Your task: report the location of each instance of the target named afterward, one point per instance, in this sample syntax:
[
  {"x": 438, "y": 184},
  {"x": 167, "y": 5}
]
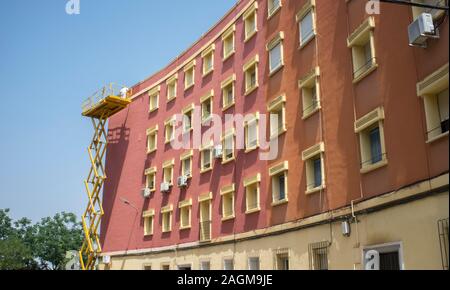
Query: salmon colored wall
[{"x": 392, "y": 85}]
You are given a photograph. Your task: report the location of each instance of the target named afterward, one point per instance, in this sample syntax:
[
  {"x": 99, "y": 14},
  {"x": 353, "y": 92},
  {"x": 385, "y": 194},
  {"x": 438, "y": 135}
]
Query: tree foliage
[{"x": 43, "y": 245}]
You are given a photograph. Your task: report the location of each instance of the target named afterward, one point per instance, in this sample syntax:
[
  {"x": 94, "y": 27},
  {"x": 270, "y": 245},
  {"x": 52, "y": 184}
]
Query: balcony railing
[
  {"x": 365, "y": 67},
  {"x": 311, "y": 108},
  {"x": 108, "y": 90}
]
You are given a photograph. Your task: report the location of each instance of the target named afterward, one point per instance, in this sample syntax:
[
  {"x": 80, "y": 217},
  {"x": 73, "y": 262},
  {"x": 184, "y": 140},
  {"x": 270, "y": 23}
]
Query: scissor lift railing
[{"x": 99, "y": 107}]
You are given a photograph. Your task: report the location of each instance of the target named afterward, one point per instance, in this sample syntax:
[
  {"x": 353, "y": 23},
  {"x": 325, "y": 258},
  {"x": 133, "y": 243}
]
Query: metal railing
[
  {"x": 312, "y": 107},
  {"x": 108, "y": 90},
  {"x": 365, "y": 67},
  {"x": 443, "y": 241},
  {"x": 442, "y": 128},
  {"x": 205, "y": 231}
]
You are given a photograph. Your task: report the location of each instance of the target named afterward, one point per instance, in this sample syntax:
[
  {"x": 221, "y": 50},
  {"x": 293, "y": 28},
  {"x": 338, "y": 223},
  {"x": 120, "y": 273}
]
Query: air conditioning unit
[
  {"x": 165, "y": 187},
  {"x": 146, "y": 192},
  {"x": 218, "y": 152},
  {"x": 421, "y": 29},
  {"x": 182, "y": 181}
]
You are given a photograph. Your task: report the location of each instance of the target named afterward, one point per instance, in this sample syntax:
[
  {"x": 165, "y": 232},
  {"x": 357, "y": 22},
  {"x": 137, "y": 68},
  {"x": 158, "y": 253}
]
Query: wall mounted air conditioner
[
  {"x": 218, "y": 152},
  {"x": 182, "y": 181},
  {"x": 165, "y": 187},
  {"x": 421, "y": 30},
  {"x": 146, "y": 192}
]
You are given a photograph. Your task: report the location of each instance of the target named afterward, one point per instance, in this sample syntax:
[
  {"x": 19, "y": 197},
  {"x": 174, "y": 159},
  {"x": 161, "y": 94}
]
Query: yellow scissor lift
[{"x": 99, "y": 107}]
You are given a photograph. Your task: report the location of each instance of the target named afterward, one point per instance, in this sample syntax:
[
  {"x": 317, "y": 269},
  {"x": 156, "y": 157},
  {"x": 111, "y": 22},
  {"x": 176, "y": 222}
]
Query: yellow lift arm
[{"x": 100, "y": 107}]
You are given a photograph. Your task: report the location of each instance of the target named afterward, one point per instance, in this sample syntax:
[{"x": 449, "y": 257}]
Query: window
[
  {"x": 227, "y": 193},
  {"x": 228, "y": 40},
  {"x": 387, "y": 257},
  {"x": 172, "y": 88},
  {"x": 251, "y": 75},
  {"x": 251, "y": 185},
  {"x": 185, "y": 267},
  {"x": 228, "y": 147},
  {"x": 208, "y": 60},
  {"x": 253, "y": 263},
  {"x": 205, "y": 217},
  {"x": 277, "y": 110},
  {"x": 166, "y": 215},
  {"x": 306, "y": 22},
  {"x": 318, "y": 256},
  {"x": 435, "y": 12},
  {"x": 250, "y": 22},
  {"x": 187, "y": 118},
  {"x": 309, "y": 87},
  {"x": 315, "y": 177},
  {"x": 165, "y": 267},
  {"x": 278, "y": 175},
  {"x": 186, "y": 163},
  {"x": 154, "y": 98},
  {"x": 169, "y": 133},
  {"x": 362, "y": 43},
  {"x": 273, "y": 6},
  {"x": 205, "y": 265},
  {"x": 228, "y": 264},
  {"x": 434, "y": 91},
  {"x": 275, "y": 49},
  {"x": 251, "y": 133},
  {"x": 189, "y": 75},
  {"x": 150, "y": 179},
  {"x": 282, "y": 259},
  {"x": 147, "y": 267},
  {"x": 148, "y": 222},
  {"x": 185, "y": 214},
  {"x": 168, "y": 171},
  {"x": 206, "y": 155},
  {"x": 228, "y": 92},
  {"x": 371, "y": 136},
  {"x": 207, "y": 106},
  {"x": 152, "y": 139}
]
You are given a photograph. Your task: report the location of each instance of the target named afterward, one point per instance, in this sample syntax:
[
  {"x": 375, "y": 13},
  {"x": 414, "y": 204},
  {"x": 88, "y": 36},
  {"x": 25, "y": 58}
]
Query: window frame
[
  {"x": 149, "y": 219},
  {"x": 169, "y": 123},
  {"x": 362, "y": 126},
  {"x": 308, "y": 83},
  {"x": 250, "y": 182},
  {"x": 227, "y": 192},
  {"x": 152, "y": 133},
  {"x": 308, "y": 157},
  {"x": 187, "y": 156},
  {"x": 253, "y": 120},
  {"x": 167, "y": 211},
  {"x": 172, "y": 82},
  {"x": 168, "y": 165},
  {"x": 189, "y": 69},
  {"x": 208, "y": 53},
  {"x": 185, "y": 206},
  {"x": 203, "y": 100},
  {"x": 277, "y": 171},
  {"x": 357, "y": 42},
  {"x": 230, "y": 81},
  {"x": 150, "y": 172},
  {"x": 277, "y": 105},
  {"x": 251, "y": 12},
  {"x": 277, "y": 40},
  {"x": 188, "y": 110},
  {"x": 249, "y": 65},
  {"x": 272, "y": 10},
  {"x": 228, "y": 135},
  {"x": 308, "y": 7},
  {"x": 229, "y": 35},
  {"x": 210, "y": 148},
  {"x": 154, "y": 93}
]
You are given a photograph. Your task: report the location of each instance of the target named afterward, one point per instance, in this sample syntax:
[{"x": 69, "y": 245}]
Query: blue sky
[{"x": 51, "y": 61}]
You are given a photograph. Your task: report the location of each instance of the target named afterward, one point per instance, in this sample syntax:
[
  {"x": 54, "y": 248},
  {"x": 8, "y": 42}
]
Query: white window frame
[{"x": 275, "y": 42}]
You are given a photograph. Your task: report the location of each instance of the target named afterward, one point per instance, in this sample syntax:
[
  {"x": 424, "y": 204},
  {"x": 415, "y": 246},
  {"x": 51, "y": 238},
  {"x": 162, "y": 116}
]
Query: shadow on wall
[{"x": 118, "y": 141}]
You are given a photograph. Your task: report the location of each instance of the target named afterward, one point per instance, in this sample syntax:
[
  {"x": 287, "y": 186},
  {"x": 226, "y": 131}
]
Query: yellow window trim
[
  {"x": 188, "y": 109},
  {"x": 254, "y": 60},
  {"x": 272, "y": 12},
  {"x": 154, "y": 91},
  {"x": 434, "y": 83},
  {"x": 369, "y": 119},
  {"x": 367, "y": 26},
  {"x": 252, "y": 180},
  {"x": 279, "y": 37},
  {"x": 207, "y": 96},
  {"x": 148, "y": 213},
  {"x": 167, "y": 209},
  {"x": 151, "y": 170},
  {"x": 209, "y": 50},
  {"x": 313, "y": 151},
  {"x": 187, "y": 155},
  {"x": 229, "y": 32},
  {"x": 150, "y": 131},
  {"x": 185, "y": 203},
  {"x": 205, "y": 197},
  {"x": 168, "y": 163},
  {"x": 172, "y": 79},
  {"x": 279, "y": 168},
  {"x": 169, "y": 121},
  {"x": 190, "y": 65},
  {"x": 228, "y": 81},
  {"x": 250, "y": 11},
  {"x": 228, "y": 189},
  {"x": 308, "y": 80},
  {"x": 276, "y": 103},
  {"x": 310, "y": 4}
]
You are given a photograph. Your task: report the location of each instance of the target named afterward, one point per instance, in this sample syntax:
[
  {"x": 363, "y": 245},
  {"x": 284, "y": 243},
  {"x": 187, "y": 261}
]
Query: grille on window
[
  {"x": 443, "y": 240},
  {"x": 318, "y": 256}
]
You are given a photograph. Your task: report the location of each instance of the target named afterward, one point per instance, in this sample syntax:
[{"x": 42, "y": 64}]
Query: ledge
[
  {"x": 365, "y": 74},
  {"x": 440, "y": 136},
  {"x": 372, "y": 167}
]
